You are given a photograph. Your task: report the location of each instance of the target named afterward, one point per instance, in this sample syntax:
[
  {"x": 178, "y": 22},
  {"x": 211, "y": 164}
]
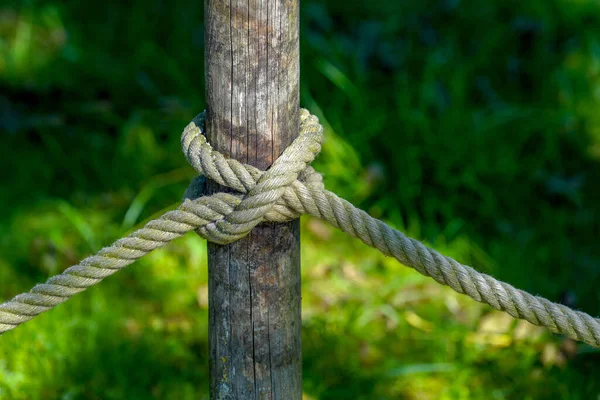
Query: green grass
[{"x": 471, "y": 125}]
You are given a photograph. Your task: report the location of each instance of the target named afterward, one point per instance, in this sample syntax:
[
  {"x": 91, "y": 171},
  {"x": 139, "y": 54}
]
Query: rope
[{"x": 288, "y": 189}]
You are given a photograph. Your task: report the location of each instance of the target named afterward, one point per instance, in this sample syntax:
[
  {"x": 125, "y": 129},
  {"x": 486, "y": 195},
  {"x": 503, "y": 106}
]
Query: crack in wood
[{"x": 252, "y": 81}]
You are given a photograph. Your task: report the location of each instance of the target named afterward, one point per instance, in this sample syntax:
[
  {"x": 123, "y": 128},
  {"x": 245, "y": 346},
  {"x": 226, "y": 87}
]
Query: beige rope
[{"x": 285, "y": 191}]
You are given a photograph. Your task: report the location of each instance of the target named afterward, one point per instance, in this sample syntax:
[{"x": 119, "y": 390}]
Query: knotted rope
[{"x": 288, "y": 189}]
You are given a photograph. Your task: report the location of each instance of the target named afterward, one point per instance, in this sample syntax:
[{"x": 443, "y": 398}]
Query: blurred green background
[{"x": 471, "y": 125}]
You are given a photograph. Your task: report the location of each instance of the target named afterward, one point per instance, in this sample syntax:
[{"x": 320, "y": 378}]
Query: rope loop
[{"x": 261, "y": 194}]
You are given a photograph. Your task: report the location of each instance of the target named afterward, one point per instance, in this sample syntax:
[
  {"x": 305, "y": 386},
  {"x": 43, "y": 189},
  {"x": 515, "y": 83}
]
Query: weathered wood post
[{"x": 252, "y": 91}]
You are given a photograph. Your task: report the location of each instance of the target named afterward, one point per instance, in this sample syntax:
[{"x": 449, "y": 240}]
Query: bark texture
[{"x": 252, "y": 83}]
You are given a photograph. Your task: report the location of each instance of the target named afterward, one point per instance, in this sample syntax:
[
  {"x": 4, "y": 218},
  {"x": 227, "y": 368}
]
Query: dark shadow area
[
  {"x": 94, "y": 96},
  {"x": 474, "y": 119}
]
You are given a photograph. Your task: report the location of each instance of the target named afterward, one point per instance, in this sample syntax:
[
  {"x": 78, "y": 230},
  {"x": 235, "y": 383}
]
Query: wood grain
[{"x": 252, "y": 81}]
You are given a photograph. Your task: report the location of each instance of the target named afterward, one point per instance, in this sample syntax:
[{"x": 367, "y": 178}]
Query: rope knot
[
  {"x": 286, "y": 190},
  {"x": 271, "y": 195}
]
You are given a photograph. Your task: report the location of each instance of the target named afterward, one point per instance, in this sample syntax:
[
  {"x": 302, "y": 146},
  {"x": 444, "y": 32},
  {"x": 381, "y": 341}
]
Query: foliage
[{"x": 471, "y": 125}]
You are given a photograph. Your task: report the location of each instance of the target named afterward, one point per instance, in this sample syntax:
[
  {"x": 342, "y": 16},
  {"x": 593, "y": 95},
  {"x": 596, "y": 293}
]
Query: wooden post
[{"x": 252, "y": 91}]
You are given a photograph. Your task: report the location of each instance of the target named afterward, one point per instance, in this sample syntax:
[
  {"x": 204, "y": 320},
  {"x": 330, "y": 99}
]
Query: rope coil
[{"x": 288, "y": 189}]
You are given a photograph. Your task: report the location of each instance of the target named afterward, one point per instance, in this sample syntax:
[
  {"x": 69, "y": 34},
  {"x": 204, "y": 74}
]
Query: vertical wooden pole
[{"x": 252, "y": 91}]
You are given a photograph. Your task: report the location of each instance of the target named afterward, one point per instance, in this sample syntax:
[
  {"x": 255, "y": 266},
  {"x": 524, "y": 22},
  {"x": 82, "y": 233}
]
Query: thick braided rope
[
  {"x": 262, "y": 190},
  {"x": 311, "y": 198},
  {"x": 288, "y": 189},
  {"x": 221, "y": 217},
  {"x": 157, "y": 233}
]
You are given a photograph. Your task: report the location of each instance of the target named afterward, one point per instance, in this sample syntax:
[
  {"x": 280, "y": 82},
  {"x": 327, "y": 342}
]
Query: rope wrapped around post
[{"x": 288, "y": 189}]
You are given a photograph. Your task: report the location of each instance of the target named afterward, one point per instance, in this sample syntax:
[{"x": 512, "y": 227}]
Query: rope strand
[{"x": 288, "y": 189}]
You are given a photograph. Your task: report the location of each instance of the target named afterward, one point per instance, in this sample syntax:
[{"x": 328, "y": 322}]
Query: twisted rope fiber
[{"x": 288, "y": 189}]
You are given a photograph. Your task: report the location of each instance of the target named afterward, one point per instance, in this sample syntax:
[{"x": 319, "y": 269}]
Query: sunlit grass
[{"x": 30, "y": 39}]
